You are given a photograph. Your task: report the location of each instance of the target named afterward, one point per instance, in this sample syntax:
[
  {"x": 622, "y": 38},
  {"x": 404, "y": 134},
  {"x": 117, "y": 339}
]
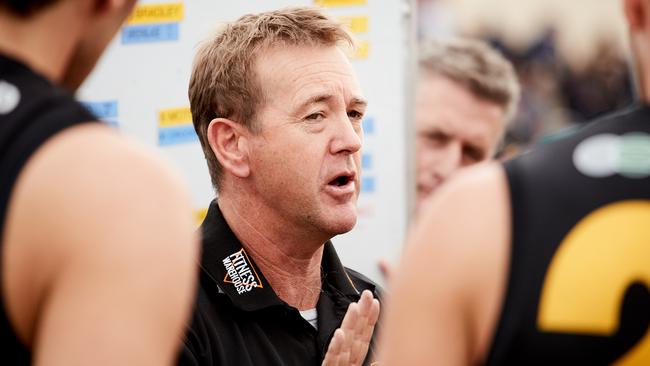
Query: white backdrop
[{"x": 140, "y": 86}]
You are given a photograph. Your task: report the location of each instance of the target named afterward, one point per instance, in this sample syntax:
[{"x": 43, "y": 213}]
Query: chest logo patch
[
  {"x": 240, "y": 272},
  {"x": 604, "y": 155},
  {"x": 9, "y": 97}
]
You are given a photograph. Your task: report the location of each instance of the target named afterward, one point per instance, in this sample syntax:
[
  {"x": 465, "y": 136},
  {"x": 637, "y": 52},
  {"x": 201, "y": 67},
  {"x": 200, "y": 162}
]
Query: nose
[{"x": 347, "y": 136}]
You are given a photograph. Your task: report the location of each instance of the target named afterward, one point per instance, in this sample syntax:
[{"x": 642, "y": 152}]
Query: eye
[
  {"x": 472, "y": 154},
  {"x": 315, "y": 117},
  {"x": 355, "y": 115},
  {"x": 437, "y": 136}
]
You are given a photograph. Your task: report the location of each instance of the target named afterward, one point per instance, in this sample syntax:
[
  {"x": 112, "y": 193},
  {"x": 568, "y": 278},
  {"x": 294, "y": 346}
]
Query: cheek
[
  {"x": 426, "y": 156},
  {"x": 422, "y": 147},
  {"x": 268, "y": 160},
  {"x": 496, "y": 133}
]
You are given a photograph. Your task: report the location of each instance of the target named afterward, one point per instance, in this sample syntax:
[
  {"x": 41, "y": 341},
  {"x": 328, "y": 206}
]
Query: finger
[
  {"x": 373, "y": 314},
  {"x": 335, "y": 349},
  {"x": 365, "y": 303},
  {"x": 371, "y": 321},
  {"x": 363, "y": 338},
  {"x": 385, "y": 268},
  {"x": 343, "y": 357},
  {"x": 358, "y": 348},
  {"x": 349, "y": 327},
  {"x": 360, "y": 341},
  {"x": 365, "y": 312},
  {"x": 351, "y": 318}
]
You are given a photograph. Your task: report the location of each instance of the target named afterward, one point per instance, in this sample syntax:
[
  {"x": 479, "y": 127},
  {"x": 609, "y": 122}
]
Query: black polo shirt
[{"x": 239, "y": 320}]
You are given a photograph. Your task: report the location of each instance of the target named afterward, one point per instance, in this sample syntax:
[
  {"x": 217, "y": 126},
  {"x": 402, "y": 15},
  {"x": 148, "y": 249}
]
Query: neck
[
  {"x": 640, "y": 65},
  {"x": 289, "y": 262},
  {"x": 643, "y": 86},
  {"x": 44, "y": 41}
]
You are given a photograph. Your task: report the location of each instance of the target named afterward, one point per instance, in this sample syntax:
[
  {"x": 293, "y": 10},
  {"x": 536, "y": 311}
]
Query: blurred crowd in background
[{"x": 570, "y": 57}]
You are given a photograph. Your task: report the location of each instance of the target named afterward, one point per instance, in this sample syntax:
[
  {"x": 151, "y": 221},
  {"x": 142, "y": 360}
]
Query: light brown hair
[
  {"x": 476, "y": 66},
  {"x": 223, "y": 82}
]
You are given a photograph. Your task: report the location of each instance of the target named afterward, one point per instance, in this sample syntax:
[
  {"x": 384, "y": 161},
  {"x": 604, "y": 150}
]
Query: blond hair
[
  {"x": 224, "y": 83},
  {"x": 476, "y": 66}
]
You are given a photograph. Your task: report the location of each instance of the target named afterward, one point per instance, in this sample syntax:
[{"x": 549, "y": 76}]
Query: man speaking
[{"x": 278, "y": 111}]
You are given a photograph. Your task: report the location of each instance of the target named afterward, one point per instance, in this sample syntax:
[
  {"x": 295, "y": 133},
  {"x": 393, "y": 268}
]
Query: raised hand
[{"x": 350, "y": 342}]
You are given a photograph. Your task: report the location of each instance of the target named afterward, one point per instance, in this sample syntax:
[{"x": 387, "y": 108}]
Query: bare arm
[
  {"x": 101, "y": 235},
  {"x": 446, "y": 294}
]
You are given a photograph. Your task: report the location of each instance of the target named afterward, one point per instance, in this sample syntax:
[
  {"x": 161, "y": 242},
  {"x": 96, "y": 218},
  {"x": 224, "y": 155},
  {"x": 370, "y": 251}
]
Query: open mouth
[
  {"x": 342, "y": 186},
  {"x": 341, "y": 180}
]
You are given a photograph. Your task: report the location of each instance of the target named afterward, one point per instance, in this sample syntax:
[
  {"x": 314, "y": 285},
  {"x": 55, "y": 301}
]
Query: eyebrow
[
  {"x": 356, "y": 101},
  {"x": 322, "y": 98}
]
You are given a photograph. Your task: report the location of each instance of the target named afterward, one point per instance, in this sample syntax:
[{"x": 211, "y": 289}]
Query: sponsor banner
[
  {"x": 355, "y": 24},
  {"x": 177, "y": 135},
  {"x": 104, "y": 110},
  {"x": 360, "y": 52},
  {"x": 368, "y": 125},
  {"x": 366, "y": 161},
  {"x": 199, "y": 215},
  {"x": 368, "y": 184},
  {"x": 171, "y": 117},
  {"x": 175, "y": 127},
  {"x": 148, "y": 33},
  {"x": 156, "y": 13}
]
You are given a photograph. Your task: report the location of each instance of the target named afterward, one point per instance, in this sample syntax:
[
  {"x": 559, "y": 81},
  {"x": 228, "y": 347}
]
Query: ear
[
  {"x": 635, "y": 12},
  {"x": 229, "y": 143}
]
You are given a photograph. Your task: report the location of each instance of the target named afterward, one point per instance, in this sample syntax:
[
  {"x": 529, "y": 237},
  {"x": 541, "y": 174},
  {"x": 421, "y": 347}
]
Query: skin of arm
[
  {"x": 447, "y": 293},
  {"x": 100, "y": 253}
]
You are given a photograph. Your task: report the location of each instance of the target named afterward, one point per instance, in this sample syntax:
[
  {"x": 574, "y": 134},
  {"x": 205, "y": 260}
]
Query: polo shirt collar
[{"x": 224, "y": 261}]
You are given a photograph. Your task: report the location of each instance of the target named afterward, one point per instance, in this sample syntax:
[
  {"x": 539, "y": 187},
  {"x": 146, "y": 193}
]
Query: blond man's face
[
  {"x": 305, "y": 161},
  {"x": 454, "y": 129}
]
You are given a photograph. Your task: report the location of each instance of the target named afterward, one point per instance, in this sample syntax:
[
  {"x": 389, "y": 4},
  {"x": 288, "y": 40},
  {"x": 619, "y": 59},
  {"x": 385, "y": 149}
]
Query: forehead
[
  {"x": 443, "y": 104},
  {"x": 293, "y": 73}
]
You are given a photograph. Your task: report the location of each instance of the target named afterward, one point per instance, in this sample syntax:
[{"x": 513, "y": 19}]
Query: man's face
[
  {"x": 305, "y": 160},
  {"x": 454, "y": 128}
]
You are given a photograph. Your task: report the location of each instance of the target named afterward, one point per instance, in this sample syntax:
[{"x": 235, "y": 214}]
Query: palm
[{"x": 350, "y": 342}]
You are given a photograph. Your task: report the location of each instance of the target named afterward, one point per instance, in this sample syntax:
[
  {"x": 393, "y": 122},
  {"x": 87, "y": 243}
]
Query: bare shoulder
[
  {"x": 448, "y": 289},
  {"x": 88, "y": 177},
  {"x": 470, "y": 223},
  {"x": 90, "y": 212},
  {"x": 467, "y": 215}
]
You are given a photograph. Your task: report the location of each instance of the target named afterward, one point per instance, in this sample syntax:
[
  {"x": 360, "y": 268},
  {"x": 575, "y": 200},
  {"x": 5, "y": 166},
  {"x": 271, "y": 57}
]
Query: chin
[
  {"x": 344, "y": 228},
  {"x": 343, "y": 222}
]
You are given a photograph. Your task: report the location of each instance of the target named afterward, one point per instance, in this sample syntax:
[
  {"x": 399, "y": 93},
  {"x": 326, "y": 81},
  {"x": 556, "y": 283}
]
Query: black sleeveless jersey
[
  {"x": 577, "y": 290},
  {"x": 31, "y": 110}
]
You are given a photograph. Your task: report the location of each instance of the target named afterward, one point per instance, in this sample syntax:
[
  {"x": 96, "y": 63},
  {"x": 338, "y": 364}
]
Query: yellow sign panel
[
  {"x": 360, "y": 52},
  {"x": 174, "y": 117},
  {"x": 156, "y": 13},
  {"x": 199, "y": 215},
  {"x": 334, "y": 3},
  {"x": 355, "y": 24}
]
